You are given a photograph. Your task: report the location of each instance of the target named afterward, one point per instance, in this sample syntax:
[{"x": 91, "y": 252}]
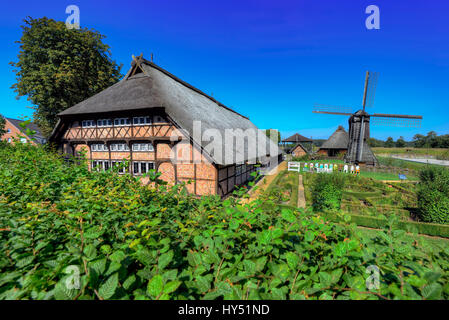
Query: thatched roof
[
  {"x": 338, "y": 140},
  {"x": 297, "y": 138},
  {"x": 155, "y": 87}
]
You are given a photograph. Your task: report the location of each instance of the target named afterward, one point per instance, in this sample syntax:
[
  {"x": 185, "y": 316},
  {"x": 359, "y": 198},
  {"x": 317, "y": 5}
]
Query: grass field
[
  {"x": 411, "y": 151},
  {"x": 404, "y": 164},
  {"x": 385, "y": 176}
]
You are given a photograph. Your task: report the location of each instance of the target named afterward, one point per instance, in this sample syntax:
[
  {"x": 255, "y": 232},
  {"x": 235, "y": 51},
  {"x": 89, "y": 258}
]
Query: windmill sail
[{"x": 396, "y": 120}]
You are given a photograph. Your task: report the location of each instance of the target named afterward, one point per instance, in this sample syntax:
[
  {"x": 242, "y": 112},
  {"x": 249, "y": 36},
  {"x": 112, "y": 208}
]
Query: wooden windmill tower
[{"x": 359, "y": 123}]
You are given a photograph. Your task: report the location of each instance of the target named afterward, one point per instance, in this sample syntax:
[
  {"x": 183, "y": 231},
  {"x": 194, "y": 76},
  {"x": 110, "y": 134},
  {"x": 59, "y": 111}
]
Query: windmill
[{"x": 359, "y": 123}]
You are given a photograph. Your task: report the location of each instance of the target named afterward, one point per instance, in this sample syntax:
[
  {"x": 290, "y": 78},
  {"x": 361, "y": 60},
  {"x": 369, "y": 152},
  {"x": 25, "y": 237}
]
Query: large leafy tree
[
  {"x": 389, "y": 143},
  {"x": 58, "y": 67},
  {"x": 2, "y": 126}
]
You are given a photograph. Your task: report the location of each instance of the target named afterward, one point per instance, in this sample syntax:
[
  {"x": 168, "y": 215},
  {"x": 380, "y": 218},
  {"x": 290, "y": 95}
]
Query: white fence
[
  {"x": 322, "y": 168},
  {"x": 294, "y": 166}
]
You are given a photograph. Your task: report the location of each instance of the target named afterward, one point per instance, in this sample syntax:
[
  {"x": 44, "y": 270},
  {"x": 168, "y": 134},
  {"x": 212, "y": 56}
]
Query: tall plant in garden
[
  {"x": 59, "y": 67},
  {"x": 433, "y": 195}
]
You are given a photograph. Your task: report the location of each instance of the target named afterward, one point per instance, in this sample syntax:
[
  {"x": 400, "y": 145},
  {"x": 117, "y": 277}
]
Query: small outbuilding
[
  {"x": 336, "y": 144},
  {"x": 298, "y": 150},
  {"x": 297, "y": 143}
]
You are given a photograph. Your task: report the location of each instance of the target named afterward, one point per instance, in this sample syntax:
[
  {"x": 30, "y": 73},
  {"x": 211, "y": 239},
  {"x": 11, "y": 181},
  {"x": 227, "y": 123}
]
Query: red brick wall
[{"x": 15, "y": 133}]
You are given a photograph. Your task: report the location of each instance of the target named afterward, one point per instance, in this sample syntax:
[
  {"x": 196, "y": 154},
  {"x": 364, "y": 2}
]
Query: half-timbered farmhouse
[{"x": 154, "y": 120}]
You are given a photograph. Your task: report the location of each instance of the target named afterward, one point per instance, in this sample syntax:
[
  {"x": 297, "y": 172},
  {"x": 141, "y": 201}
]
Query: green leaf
[
  {"x": 117, "y": 256},
  {"x": 309, "y": 236},
  {"x": 288, "y": 215},
  {"x": 61, "y": 291},
  {"x": 171, "y": 286},
  {"x": 129, "y": 282},
  {"x": 203, "y": 284},
  {"x": 107, "y": 289},
  {"x": 90, "y": 252},
  {"x": 260, "y": 263},
  {"x": 155, "y": 286},
  {"x": 165, "y": 259},
  {"x": 432, "y": 291},
  {"x": 292, "y": 260}
]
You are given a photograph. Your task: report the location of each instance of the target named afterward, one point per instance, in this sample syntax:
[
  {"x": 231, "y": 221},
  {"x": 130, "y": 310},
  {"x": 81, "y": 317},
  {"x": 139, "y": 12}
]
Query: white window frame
[
  {"x": 100, "y": 165},
  {"x": 143, "y": 147},
  {"x": 141, "y": 121},
  {"x": 104, "y": 123},
  {"x": 119, "y": 147},
  {"x": 88, "y": 123},
  {"x": 149, "y": 165},
  {"x": 118, "y": 122},
  {"x": 99, "y": 147}
]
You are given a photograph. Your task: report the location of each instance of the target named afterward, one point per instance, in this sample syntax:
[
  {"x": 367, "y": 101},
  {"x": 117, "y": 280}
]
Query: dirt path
[
  {"x": 266, "y": 181},
  {"x": 301, "y": 196}
]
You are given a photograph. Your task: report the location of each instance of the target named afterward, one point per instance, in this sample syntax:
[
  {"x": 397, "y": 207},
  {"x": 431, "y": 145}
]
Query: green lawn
[{"x": 385, "y": 176}]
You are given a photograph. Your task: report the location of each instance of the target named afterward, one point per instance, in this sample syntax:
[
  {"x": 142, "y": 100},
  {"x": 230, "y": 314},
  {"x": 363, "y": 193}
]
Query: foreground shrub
[
  {"x": 433, "y": 195},
  {"x": 67, "y": 233}
]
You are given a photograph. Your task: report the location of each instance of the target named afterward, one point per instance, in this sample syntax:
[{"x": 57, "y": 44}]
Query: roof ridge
[{"x": 188, "y": 85}]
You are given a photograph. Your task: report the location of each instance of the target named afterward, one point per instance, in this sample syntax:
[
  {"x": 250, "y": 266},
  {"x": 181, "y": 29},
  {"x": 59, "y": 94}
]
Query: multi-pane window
[
  {"x": 88, "y": 123},
  {"x": 120, "y": 165},
  {"x": 141, "y": 167},
  {"x": 100, "y": 165},
  {"x": 99, "y": 147},
  {"x": 118, "y": 122},
  {"x": 119, "y": 147},
  {"x": 104, "y": 123},
  {"x": 140, "y": 121},
  {"x": 142, "y": 147}
]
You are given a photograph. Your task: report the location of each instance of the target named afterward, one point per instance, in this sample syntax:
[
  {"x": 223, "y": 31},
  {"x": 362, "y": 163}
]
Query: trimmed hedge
[{"x": 431, "y": 229}]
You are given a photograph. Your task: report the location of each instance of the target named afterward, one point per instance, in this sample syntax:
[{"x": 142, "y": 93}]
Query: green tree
[
  {"x": 419, "y": 141},
  {"x": 59, "y": 67},
  {"x": 389, "y": 143},
  {"x": 400, "y": 143},
  {"x": 2, "y": 125}
]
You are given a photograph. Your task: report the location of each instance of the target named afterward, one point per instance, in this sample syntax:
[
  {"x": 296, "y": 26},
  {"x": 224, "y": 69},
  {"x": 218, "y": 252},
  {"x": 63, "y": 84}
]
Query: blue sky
[{"x": 271, "y": 60}]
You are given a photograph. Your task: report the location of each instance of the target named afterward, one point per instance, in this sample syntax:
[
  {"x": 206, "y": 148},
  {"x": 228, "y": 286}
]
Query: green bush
[
  {"x": 129, "y": 241},
  {"x": 327, "y": 191},
  {"x": 433, "y": 195}
]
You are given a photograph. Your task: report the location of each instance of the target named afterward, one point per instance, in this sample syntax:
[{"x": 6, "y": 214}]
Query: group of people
[{"x": 330, "y": 168}]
